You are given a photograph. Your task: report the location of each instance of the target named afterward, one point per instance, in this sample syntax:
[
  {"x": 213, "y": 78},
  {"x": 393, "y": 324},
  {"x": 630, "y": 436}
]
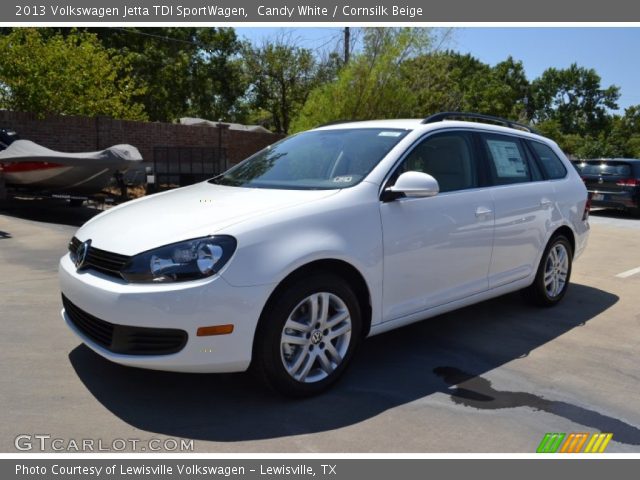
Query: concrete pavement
[{"x": 494, "y": 377}]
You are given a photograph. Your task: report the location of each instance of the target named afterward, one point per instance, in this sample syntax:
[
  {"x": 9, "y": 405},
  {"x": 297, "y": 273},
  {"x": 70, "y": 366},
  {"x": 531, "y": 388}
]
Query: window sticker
[
  {"x": 343, "y": 179},
  {"x": 507, "y": 159},
  {"x": 389, "y": 134}
]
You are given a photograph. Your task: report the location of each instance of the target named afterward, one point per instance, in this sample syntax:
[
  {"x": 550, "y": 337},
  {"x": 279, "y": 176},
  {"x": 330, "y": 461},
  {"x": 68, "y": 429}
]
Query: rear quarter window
[{"x": 549, "y": 161}]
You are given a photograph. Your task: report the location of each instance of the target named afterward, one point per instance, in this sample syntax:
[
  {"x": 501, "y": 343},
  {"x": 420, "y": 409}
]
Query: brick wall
[
  {"x": 242, "y": 144},
  {"x": 78, "y": 134}
]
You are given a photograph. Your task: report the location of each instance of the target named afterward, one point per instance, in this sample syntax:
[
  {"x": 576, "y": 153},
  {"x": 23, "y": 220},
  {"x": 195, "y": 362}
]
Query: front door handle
[
  {"x": 545, "y": 203},
  {"x": 483, "y": 211}
]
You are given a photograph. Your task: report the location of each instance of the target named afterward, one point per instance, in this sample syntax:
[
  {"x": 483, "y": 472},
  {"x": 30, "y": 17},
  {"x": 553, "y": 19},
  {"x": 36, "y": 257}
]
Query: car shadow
[
  {"x": 390, "y": 370},
  {"x": 47, "y": 210}
]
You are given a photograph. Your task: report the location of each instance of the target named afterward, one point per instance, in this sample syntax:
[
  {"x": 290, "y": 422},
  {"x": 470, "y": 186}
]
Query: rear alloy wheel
[
  {"x": 554, "y": 272},
  {"x": 308, "y": 338}
]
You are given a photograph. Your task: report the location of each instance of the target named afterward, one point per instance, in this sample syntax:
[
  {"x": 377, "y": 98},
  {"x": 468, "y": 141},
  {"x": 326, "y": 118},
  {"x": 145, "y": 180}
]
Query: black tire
[
  {"x": 270, "y": 355},
  {"x": 538, "y": 293}
]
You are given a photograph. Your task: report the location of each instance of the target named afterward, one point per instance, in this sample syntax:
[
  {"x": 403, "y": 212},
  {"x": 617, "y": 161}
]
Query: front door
[{"x": 438, "y": 249}]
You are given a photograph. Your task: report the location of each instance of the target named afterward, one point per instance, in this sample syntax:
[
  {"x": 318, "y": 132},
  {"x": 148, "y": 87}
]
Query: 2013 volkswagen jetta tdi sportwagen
[{"x": 289, "y": 259}]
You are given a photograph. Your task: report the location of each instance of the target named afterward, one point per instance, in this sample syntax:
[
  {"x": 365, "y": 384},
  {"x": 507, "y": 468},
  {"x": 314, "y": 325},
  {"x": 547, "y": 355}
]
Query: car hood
[{"x": 185, "y": 213}]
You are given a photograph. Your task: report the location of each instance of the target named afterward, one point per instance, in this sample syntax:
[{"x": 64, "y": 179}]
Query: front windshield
[{"x": 316, "y": 160}]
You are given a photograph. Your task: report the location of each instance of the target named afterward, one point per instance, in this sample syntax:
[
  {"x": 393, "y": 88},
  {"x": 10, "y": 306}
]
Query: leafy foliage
[
  {"x": 574, "y": 98},
  {"x": 450, "y": 81},
  {"x": 72, "y": 74},
  {"x": 188, "y": 71},
  {"x": 163, "y": 73},
  {"x": 369, "y": 86},
  {"x": 282, "y": 76}
]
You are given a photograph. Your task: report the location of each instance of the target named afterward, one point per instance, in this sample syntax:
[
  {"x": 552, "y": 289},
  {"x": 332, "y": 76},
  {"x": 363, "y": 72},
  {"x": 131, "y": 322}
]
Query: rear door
[{"x": 523, "y": 202}]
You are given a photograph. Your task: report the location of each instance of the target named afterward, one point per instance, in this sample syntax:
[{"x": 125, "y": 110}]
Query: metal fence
[{"x": 179, "y": 166}]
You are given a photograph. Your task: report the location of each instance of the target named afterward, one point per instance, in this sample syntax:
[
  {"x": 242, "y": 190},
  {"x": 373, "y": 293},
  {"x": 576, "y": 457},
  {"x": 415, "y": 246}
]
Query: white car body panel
[
  {"x": 189, "y": 212},
  {"x": 523, "y": 213},
  {"x": 211, "y": 301},
  {"x": 436, "y": 250},
  {"x": 419, "y": 257}
]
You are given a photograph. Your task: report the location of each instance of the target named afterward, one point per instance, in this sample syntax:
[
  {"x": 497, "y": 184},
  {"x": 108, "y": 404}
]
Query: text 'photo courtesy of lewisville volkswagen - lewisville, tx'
[{"x": 363, "y": 240}]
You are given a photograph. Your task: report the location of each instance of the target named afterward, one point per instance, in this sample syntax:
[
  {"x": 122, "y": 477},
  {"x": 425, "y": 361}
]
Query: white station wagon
[{"x": 288, "y": 260}]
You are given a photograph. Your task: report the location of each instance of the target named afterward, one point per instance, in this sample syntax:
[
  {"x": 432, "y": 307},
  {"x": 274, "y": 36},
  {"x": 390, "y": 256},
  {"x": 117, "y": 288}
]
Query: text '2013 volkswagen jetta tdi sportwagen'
[{"x": 290, "y": 258}]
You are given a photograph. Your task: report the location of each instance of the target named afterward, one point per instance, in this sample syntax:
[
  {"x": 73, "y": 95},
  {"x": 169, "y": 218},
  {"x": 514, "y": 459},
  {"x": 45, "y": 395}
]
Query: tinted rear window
[
  {"x": 618, "y": 169},
  {"x": 551, "y": 164}
]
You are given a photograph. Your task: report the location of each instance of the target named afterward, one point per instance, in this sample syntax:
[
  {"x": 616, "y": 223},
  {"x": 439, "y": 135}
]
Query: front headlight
[{"x": 189, "y": 260}]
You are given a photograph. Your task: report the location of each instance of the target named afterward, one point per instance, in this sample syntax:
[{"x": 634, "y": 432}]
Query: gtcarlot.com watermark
[{"x": 41, "y": 442}]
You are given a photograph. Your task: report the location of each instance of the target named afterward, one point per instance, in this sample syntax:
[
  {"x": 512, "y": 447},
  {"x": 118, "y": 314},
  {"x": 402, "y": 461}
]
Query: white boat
[{"x": 30, "y": 166}]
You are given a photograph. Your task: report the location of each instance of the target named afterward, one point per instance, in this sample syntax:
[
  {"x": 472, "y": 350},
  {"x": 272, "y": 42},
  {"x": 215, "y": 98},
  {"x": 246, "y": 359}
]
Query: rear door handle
[
  {"x": 545, "y": 203},
  {"x": 483, "y": 211}
]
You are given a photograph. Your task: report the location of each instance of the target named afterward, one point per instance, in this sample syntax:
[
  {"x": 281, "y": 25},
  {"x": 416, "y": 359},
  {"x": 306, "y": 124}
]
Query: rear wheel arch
[
  {"x": 553, "y": 273},
  {"x": 565, "y": 231}
]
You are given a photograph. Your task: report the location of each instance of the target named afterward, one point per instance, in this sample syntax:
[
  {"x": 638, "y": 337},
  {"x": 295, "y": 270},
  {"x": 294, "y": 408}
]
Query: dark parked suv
[{"x": 612, "y": 183}]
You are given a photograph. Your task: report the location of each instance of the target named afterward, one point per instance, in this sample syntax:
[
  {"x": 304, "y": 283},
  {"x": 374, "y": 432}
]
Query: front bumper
[{"x": 185, "y": 305}]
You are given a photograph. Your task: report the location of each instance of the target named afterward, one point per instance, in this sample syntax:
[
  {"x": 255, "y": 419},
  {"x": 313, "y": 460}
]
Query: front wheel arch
[
  {"x": 348, "y": 272},
  {"x": 278, "y": 331}
]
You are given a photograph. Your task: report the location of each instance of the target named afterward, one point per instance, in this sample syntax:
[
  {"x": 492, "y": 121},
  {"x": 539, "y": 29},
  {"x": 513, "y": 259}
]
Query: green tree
[
  {"x": 450, "y": 81},
  {"x": 514, "y": 89},
  {"x": 574, "y": 98},
  {"x": 283, "y": 76},
  {"x": 369, "y": 86},
  {"x": 73, "y": 74},
  {"x": 189, "y": 71},
  {"x": 623, "y": 138}
]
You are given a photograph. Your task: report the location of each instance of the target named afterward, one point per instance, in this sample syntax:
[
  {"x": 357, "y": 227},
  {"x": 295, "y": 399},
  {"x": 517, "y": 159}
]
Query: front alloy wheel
[
  {"x": 307, "y": 335},
  {"x": 316, "y": 337}
]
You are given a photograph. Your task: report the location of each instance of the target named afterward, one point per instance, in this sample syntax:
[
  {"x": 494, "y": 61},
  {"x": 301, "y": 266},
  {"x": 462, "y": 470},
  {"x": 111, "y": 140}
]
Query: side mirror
[{"x": 414, "y": 184}]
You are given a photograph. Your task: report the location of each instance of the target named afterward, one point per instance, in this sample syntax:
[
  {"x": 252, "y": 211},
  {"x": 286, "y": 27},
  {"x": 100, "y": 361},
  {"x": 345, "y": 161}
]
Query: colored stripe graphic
[
  {"x": 574, "y": 442},
  {"x": 550, "y": 443},
  {"x": 598, "y": 442}
]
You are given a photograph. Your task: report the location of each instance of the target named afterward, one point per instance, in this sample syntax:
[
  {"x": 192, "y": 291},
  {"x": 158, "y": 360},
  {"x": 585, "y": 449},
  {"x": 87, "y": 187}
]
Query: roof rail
[{"x": 438, "y": 117}]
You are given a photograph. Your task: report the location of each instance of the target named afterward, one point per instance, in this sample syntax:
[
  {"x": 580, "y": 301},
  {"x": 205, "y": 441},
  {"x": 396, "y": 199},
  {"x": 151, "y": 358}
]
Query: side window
[
  {"x": 551, "y": 164},
  {"x": 507, "y": 160},
  {"x": 448, "y": 157}
]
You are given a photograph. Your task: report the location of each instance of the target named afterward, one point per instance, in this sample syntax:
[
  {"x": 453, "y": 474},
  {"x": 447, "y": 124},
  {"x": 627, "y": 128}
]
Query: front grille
[
  {"x": 125, "y": 339},
  {"x": 105, "y": 262}
]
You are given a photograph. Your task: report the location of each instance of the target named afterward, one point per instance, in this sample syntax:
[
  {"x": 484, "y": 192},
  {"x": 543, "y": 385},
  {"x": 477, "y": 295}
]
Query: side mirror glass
[{"x": 415, "y": 184}]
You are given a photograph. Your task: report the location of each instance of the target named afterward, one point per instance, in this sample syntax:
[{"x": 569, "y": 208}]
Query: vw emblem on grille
[
  {"x": 81, "y": 254},
  {"x": 600, "y": 180}
]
